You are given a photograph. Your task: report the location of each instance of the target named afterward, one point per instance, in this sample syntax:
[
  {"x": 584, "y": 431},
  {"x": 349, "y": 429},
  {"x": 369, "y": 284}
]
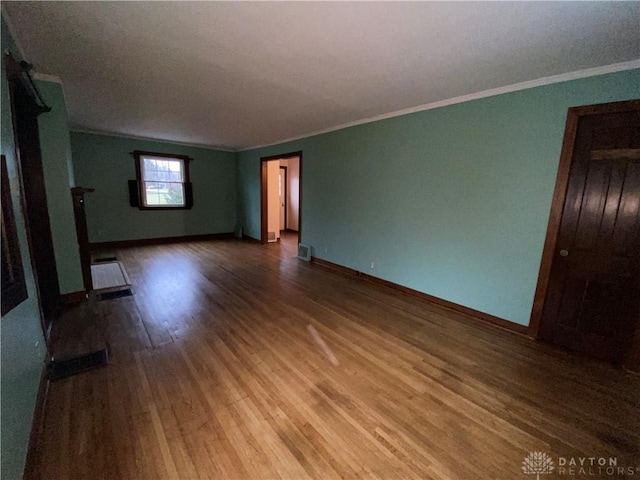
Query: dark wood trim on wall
[
  {"x": 73, "y": 297},
  {"x": 263, "y": 192},
  {"x": 25, "y": 109},
  {"x": 37, "y": 428},
  {"x": 559, "y": 196},
  {"x": 161, "y": 240},
  {"x": 285, "y": 187},
  {"x": 466, "y": 311}
]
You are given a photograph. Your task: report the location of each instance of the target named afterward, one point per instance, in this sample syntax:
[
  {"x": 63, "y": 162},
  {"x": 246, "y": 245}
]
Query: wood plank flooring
[{"x": 238, "y": 361}]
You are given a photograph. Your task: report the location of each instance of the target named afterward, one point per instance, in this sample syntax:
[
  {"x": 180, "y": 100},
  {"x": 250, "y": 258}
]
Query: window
[{"x": 163, "y": 181}]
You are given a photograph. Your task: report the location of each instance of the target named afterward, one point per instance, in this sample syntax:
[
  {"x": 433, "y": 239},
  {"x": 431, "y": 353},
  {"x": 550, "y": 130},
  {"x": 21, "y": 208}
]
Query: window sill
[{"x": 141, "y": 207}]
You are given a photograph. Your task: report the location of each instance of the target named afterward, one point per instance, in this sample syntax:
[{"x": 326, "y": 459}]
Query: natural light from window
[{"x": 163, "y": 182}]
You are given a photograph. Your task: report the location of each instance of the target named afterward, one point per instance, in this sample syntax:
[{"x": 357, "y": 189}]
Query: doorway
[
  {"x": 281, "y": 194},
  {"x": 588, "y": 291}
]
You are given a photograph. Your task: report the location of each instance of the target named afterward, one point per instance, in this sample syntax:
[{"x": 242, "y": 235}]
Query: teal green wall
[
  {"x": 106, "y": 164},
  {"x": 452, "y": 202},
  {"x": 56, "y": 160},
  {"x": 21, "y": 342}
]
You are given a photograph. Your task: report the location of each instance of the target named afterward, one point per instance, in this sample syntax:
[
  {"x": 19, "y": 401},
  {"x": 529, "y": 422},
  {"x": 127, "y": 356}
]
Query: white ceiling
[{"x": 240, "y": 74}]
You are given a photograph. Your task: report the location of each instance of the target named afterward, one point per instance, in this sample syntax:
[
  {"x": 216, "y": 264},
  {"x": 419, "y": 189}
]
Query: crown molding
[
  {"x": 564, "y": 77},
  {"x": 150, "y": 139}
]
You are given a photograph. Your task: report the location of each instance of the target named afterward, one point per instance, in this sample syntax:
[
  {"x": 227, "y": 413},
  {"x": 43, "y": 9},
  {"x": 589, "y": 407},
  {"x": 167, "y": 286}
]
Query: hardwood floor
[{"x": 237, "y": 360}]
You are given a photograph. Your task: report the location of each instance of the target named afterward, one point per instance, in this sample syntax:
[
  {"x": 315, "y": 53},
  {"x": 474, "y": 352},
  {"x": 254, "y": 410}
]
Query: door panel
[
  {"x": 592, "y": 299},
  {"x": 25, "y": 113}
]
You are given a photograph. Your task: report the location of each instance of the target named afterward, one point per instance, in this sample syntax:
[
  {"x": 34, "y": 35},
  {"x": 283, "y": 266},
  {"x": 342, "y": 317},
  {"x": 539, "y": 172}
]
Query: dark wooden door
[
  {"x": 82, "y": 233},
  {"x": 593, "y": 296},
  {"x": 25, "y": 112}
]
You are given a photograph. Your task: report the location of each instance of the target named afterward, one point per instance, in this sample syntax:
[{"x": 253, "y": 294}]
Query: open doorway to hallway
[{"x": 281, "y": 192}]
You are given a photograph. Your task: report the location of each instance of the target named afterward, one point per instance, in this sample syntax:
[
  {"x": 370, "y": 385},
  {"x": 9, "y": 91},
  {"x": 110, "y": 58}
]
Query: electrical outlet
[
  {"x": 372, "y": 265},
  {"x": 326, "y": 250}
]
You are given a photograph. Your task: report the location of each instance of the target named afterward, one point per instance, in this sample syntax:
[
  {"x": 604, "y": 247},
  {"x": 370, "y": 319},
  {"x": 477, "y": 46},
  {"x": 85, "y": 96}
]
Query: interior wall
[
  {"x": 56, "y": 159},
  {"x": 22, "y": 348},
  {"x": 453, "y": 201},
  {"x": 106, "y": 164},
  {"x": 273, "y": 199}
]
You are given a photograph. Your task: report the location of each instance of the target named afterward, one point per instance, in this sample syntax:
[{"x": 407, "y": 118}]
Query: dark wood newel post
[{"x": 83, "y": 235}]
